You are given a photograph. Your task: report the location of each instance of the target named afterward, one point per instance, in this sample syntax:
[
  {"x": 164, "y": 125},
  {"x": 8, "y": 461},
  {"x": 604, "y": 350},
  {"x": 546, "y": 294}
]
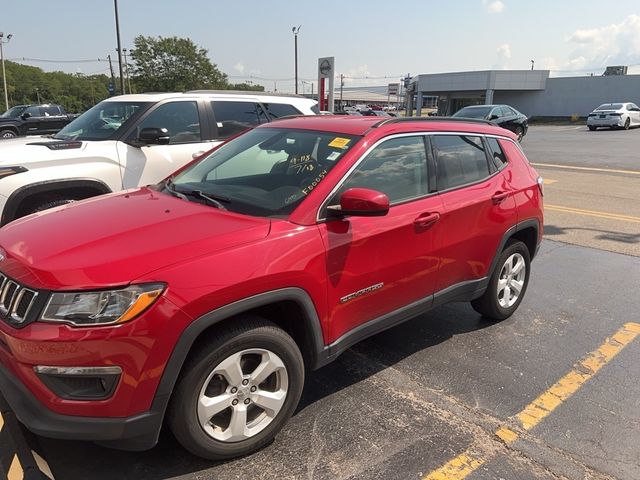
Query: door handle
[
  {"x": 197, "y": 154},
  {"x": 426, "y": 220},
  {"x": 500, "y": 197}
]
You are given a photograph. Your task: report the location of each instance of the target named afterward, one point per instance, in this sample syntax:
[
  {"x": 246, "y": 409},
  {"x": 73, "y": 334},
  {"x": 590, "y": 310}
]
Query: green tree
[{"x": 173, "y": 64}]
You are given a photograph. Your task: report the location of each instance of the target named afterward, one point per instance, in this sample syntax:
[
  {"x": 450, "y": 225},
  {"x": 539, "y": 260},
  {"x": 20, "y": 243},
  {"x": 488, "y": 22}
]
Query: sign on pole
[
  {"x": 392, "y": 89},
  {"x": 326, "y": 69}
]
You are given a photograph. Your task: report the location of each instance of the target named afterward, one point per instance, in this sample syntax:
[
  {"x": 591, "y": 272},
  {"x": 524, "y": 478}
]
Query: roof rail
[
  {"x": 247, "y": 92},
  {"x": 432, "y": 119}
]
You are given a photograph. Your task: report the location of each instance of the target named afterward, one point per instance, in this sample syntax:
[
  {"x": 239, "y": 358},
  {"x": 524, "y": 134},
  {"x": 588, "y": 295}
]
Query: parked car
[
  {"x": 381, "y": 113},
  {"x": 203, "y": 299},
  {"x": 614, "y": 115},
  {"x": 128, "y": 141},
  {"x": 502, "y": 115},
  {"x": 33, "y": 120}
]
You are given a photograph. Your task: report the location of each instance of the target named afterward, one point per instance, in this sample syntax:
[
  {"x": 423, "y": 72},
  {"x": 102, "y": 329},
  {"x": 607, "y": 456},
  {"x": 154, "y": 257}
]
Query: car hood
[
  {"x": 31, "y": 150},
  {"x": 114, "y": 239}
]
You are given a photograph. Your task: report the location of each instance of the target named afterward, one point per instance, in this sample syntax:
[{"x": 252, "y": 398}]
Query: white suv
[{"x": 128, "y": 141}]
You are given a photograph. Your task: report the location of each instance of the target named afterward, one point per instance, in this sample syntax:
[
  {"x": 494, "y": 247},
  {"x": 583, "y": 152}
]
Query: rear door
[
  {"x": 376, "y": 265},
  {"x": 478, "y": 207}
]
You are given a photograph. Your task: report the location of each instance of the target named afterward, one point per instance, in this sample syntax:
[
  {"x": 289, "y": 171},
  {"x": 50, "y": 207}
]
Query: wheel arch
[
  {"x": 527, "y": 232},
  {"x": 13, "y": 128},
  {"x": 306, "y": 331},
  {"x": 78, "y": 185}
]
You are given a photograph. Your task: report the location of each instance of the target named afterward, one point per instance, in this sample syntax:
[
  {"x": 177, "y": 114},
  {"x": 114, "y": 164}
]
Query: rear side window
[
  {"x": 234, "y": 117},
  {"x": 277, "y": 110},
  {"x": 506, "y": 111},
  {"x": 461, "y": 159},
  {"x": 496, "y": 153}
]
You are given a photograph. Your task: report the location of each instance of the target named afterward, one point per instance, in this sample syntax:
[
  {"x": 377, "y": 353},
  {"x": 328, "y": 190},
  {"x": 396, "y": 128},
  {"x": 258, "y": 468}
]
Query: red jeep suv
[{"x": 202, "y": 301}]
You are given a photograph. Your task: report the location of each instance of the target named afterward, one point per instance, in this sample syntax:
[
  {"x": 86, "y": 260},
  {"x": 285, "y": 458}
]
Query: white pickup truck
[{"x": 128, "y": 141}]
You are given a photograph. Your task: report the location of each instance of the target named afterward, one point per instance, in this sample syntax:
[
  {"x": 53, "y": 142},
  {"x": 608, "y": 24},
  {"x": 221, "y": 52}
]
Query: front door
[
  {"x": 152, "y": 163},
  {"x": 377, "y": 265}
]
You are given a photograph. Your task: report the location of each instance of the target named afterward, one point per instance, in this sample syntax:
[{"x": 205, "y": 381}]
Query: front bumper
[{"x": 139, "y": 432}]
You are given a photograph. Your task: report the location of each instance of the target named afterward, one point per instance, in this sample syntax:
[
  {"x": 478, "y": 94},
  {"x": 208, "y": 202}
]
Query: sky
[{"x": 374, "y": 42}]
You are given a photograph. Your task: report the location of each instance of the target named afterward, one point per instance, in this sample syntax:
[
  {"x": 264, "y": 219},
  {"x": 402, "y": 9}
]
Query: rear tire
[
  {"x": 507, "y": 284},
  {"x": 8, "y": 134},
  {"x": 519, "y": 133},
  {"x": 592, "y": 128},
  {"x": 216, "y": 410}
]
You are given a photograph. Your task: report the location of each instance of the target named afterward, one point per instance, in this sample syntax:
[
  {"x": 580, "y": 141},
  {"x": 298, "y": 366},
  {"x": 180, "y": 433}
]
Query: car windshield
[
  {"x": 101, "y": 122},
  {"x": 609, "y": 106},
  {"x": 473, "y": 112},
  {"x": 14, "y": 112},
  {"x": 265, "y": 172}
]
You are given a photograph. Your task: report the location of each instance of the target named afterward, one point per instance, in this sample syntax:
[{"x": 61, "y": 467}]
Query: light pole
[
  {"x": 295, "y": 42},
  {"x": 115, "y": 4},
  {"x": 126, "y": 67},
  {"x": 4, "y": 73}
]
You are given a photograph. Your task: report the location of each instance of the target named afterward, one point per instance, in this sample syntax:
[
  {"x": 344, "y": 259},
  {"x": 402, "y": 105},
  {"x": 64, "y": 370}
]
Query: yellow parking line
[
  {"x": 588, "y": 169},
  {"x": 572, "y": 381},
  {"x": 456, "y": 469},
  {"x": 466, "y": 463},
  {"x": 15, "y": 470},
  {"x": 593, "y": 213},
  {"x": 549, "y": 181}
]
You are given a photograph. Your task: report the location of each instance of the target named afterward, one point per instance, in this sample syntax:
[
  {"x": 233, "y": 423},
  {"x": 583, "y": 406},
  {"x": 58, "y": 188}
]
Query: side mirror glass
[
  {"x": 361, "y": 202},
  {"x": 154, "y": 136}
]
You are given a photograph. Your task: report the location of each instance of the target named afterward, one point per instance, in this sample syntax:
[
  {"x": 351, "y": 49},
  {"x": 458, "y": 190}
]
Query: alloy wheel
[
  {"x": 242, "y": 395},
  {"x": 511, "y": 280}
]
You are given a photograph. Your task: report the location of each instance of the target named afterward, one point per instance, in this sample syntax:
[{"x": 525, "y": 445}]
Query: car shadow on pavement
[{"x": 629, "y": 238}]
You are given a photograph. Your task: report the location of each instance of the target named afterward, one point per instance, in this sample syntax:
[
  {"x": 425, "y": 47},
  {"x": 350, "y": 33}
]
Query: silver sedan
[{"x": 614, "y": 115}]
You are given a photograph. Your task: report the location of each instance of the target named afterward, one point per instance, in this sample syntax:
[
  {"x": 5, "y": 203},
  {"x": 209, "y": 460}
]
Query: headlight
[{"x": 101, "y": 308}]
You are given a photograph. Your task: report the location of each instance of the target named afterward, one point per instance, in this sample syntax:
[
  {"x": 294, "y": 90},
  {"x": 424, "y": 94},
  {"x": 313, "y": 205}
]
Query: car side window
[
  {"x": 33, "y": 111},
  {"x": 496, "y": 153},
  {"x": 277, "y": 110},
  {"x": 506, "y": 112},
  {"x": 51, "y": 111},
  {"x": 460, "y": 160},
  {"x": 235, "y": 116},
  {"x": 181, "y": 119},
  {"x": 496, "y": 112},
  {"x": 396, "y": 167}
]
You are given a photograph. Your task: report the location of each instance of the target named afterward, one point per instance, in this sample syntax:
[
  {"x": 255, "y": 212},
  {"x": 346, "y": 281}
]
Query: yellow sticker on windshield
[{"x": 339, "y": 142}]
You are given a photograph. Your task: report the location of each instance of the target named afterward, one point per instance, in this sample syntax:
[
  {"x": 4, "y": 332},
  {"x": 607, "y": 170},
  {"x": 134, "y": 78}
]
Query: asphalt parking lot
[{"x": 549, "y": 393}]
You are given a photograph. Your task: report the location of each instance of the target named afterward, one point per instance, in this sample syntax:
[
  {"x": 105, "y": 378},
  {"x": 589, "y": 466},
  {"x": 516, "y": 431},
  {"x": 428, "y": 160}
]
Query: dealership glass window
[
  {"x": 234, "y": 117},
  {"x": 179, "y": 118},
  {"x": 461, "y": 159},
  {"x": 397, "y": 168}
]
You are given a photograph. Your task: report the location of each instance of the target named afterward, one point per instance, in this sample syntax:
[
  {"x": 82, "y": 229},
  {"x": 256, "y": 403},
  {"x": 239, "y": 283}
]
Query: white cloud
[
  {"x": 239, "y": 67},
  {"x": 615, "y": 44},
  {"x": 504, "y": 51},
  {"x": 493, "y": 7}
]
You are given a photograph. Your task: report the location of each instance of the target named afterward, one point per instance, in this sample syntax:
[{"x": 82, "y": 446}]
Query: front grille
[{"x": 15, "y": 300}]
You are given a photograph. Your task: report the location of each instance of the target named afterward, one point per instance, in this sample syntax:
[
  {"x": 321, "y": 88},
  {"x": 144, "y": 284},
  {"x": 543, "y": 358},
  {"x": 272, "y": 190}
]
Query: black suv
[{"x": 33, "y": 120}]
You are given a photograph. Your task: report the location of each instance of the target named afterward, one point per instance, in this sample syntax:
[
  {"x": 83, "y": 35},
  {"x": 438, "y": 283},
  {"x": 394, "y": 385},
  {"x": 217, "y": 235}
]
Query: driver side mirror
[
  {"x": 154, "y": 136},
  {"x": 360, "y": 202},
  {"x": 25, "y": 115}
]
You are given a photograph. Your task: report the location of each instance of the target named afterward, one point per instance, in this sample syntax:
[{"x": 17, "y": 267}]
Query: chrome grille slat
[{"x": 15, "y": 300}]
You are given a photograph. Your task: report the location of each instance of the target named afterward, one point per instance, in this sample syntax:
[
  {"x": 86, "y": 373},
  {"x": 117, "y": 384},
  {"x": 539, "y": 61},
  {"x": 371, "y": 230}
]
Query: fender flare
[
  {"x": 532, "y": 222},
  {"x": 19, "y": 195},
  {"x": 191, "y": 333}
]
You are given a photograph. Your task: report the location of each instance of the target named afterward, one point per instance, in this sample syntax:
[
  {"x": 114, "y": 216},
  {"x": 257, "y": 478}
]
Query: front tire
[
  {"x": 592, "y": 128},
  {"x": 519, "y": 133},
  {"x": 237, "y": 390},
  {"x": 507, "y": 284},
  {"x": 58, "y": 202},
  {"x": 8, "y": 134},
  {"x": 627, "y": 123}
]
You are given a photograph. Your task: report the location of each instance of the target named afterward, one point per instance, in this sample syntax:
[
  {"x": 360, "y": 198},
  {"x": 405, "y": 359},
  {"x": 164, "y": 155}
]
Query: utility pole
[
  {"x": 532, "y": 64},
  {"x": 115, "y": 4},
  {"x": 341, "y": 85},
  {"x": 295, "y": 43},
  {"x": 112, "y": 85},
  {"x": 126, "y": 68},
  {"x": 4, "y": 73}
]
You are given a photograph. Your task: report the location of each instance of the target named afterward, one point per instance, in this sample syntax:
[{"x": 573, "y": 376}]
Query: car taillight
[{"x": 541, "y": 185}]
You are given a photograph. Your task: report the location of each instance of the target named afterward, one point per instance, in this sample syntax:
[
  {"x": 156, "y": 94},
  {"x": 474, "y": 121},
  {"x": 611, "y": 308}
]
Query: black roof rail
[
  {"x": 432, "y": 119},
  {"x": 247, "y": 92}
]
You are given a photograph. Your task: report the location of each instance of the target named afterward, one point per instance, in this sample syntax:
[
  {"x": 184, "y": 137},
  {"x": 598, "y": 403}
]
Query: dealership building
[{"x": 532, "y": 92}]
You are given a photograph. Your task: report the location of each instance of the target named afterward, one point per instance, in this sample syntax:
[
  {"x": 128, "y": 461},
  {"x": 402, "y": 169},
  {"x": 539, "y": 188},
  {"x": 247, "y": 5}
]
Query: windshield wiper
[
  {"x": 210, "y": 198},
  {"x": 169, "y": 186}
]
